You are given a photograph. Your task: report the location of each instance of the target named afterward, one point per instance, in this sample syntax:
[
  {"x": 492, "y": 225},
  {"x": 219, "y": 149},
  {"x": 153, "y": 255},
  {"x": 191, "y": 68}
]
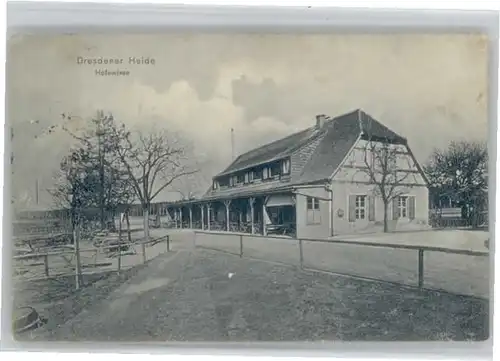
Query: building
[{"x": 317, "y": 183}]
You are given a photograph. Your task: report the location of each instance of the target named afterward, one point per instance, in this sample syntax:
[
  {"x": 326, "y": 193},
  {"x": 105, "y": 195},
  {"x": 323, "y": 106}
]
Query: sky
[{"x": 431, "y": 89}]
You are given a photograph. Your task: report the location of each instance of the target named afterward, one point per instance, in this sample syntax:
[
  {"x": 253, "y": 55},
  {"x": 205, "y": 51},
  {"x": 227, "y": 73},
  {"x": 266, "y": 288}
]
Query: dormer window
[
  {"x": 285, "y": 166},
  {"x": 233, "y": 180},
  {"x": 265, "y": 173},
  {"x": 275, "y": 170}
]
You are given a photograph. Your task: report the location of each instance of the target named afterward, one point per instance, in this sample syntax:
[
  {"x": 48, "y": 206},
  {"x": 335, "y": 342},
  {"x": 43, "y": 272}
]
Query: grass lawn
[{"x": 190, "y": 297}]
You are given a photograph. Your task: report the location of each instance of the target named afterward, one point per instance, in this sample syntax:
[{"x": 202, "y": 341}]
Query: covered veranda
[{"x": 263, "y": 214}]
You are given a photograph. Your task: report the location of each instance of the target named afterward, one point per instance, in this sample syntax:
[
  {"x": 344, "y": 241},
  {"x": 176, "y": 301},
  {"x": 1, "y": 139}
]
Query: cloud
[{"x": 429, "y": 88}]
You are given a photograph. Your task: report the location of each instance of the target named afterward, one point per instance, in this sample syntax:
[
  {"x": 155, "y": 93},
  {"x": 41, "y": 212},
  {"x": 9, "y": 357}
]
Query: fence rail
[
  {"x": 461, "y": 271},
  {"x": 103, "y": 251}
]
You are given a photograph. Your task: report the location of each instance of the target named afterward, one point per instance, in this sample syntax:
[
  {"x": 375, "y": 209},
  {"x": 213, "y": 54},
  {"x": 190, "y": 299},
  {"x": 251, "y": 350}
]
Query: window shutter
[
  {"x": 352, "y": 208},
  {"x": 411, "y": 207},
  {"x": 395, "y": 208},
  {"x": 371, "y": 208}
]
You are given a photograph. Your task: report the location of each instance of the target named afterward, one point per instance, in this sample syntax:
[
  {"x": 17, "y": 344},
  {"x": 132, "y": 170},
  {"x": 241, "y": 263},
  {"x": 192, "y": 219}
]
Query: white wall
[
  {"x": 306, "y": 229},
  {"x": 352, "y": 179}
]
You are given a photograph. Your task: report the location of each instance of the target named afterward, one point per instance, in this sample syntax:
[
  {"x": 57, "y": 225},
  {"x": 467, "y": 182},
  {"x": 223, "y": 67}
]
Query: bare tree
[
  {"x": 193, "y": 185},
  {"x": 382, "y": 166},
  {"x": 153, "y": 162}
]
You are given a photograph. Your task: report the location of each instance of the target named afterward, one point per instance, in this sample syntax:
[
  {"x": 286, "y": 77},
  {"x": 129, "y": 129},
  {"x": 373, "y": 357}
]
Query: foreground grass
[
  {"x": 57, "y": 300},
  {"x": 192, "y": 298}
]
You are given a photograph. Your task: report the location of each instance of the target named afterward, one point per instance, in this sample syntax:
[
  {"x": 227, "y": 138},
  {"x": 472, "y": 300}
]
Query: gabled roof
[
  {"x": 342, "y": 133},
  {"x": 335, "y": 140}
]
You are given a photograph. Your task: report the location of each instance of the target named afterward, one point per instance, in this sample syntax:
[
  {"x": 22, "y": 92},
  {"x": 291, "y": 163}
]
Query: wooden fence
[
  {"x": 458, "y": 271},
  {"x": 65, "y": 261}
]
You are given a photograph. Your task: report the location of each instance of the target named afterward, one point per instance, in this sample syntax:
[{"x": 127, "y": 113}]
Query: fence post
[
  {"x": 301, "y": 254},
  {"x": 168, "y": 243},
  {"x": 420, "y": 268},
  {"x": 46, "y": 263},
  {"x": 144, "y": 258},
  {"x": 76, "y": 235},
  {"x": 241, "y": 246}
]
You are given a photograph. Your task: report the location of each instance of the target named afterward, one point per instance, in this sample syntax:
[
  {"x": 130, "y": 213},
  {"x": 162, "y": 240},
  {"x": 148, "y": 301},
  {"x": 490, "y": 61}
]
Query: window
[
  {"x": 275, "y": 170},
  {"x": 312, "y": 203},
  {"x": 265, "y": 173},
  {"x": 313, "y": 212},
  {"x": 392, "y": 162},
  {"x": 249, "y": 176},
  {"x": 233, "y": 180},
  {"x": 403, "y": 207},
  {"x": 373, "y": 160},
  {"x": 214, "y": 186},
  {"x": 360, "y": 207},
  {"x": 285, "y": 166},
  {"x": 223, "y": 182},
  {"x": 240, "y": 178}
]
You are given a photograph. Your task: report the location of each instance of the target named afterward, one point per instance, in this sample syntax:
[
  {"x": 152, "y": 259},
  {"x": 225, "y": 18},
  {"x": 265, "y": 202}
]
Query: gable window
[
  {"x": 392, "y": 162},
  {"x": 285, "y": 166},
  {"x": 313, "y": 210},
  {"x": 372, "y": 159}
]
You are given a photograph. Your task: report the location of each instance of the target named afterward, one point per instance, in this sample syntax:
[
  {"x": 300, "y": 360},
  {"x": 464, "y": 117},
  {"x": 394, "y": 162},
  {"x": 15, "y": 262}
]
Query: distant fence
[
  {"x": 452, "y": 270},
  {"x": 452, "y": 218}
]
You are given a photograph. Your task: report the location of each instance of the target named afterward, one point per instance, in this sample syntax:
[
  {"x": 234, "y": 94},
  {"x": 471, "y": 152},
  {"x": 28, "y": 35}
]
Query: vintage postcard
[{"x": 249, "y": 187}]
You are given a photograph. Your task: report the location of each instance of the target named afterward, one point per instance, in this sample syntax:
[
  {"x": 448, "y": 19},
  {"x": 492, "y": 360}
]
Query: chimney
[{"x": 320, "y": 120}]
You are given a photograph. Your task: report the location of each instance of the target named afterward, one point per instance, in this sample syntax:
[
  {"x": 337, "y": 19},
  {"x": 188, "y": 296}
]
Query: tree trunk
[
  {"x": 146, "y": 232},
  {"x": 76, "y": 241},
  {"x": 128, "y": 226},
  {"x": 386, "y": 219},
  {"x": 146, "y": 223},
  {"x": 120, "y": 244}
]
